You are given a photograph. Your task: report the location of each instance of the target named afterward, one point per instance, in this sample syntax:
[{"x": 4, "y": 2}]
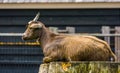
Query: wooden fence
[
  {"x": 106, "y": 33},
  {"x": 116, "y": 30},
  {"x": 75, "y": 67}
]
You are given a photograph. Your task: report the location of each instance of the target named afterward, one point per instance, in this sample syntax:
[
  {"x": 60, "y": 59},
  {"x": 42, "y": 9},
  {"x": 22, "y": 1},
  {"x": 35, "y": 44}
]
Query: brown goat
[{"x": 61, "y": 47}]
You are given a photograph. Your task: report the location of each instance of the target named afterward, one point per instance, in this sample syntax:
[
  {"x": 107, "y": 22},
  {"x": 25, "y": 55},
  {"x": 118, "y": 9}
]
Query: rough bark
[{"x": 80, "y": 67}]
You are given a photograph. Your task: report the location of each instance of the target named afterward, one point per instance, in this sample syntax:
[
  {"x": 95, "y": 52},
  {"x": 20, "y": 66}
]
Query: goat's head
[{"x": 33, "y": 29}]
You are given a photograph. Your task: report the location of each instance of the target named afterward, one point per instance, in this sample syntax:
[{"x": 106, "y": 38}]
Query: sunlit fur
[
  {"x": 62, "y": 47},
  {"x": 32, "y": 31}
]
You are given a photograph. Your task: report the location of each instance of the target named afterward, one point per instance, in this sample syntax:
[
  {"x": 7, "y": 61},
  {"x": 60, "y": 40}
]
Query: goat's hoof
[{"x": 47, "y": 60}]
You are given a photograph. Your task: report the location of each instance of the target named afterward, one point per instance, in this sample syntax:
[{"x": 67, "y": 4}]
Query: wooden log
[
  {"x": 81, "y": 67},
  {"x": 118, "y": 68},
  {"x": 114, "y": 67},
  {"x": 43, "y": 68}
]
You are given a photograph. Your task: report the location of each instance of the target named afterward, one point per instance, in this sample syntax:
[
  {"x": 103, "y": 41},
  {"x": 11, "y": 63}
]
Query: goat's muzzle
[{"x": 24, "y": 37}]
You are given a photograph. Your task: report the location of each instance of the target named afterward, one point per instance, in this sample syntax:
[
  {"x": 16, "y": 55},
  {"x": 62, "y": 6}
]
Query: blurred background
[{"x": 100, "y": 18}]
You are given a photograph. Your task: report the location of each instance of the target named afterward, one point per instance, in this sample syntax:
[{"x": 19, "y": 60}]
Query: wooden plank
[
  {"x": 69, "y": 20},
  {"x": 24, "y": 1},
  {"x": 53, "y": 29},
  {"x": 59, "y": 5},
  {"x": 29, "y": 68},
  {"x": 71, "y": 30},
  {"x": 23, "y": 58},
  {"x": 89, "y": 20},
  {"x": 78, "y": 29},
  {"x": 106, "y": 30},
  {"x": 12, "y": 29},
  {"x": 59, "y": 12},
  {"x": 117, "y": 43},
  {"x": 20, "y": 50}
]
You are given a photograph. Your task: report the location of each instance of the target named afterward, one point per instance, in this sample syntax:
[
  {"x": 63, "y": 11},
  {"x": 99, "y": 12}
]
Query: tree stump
[
  {"x": 80, "y": 67},
  {"x": 43, "y": 68}
]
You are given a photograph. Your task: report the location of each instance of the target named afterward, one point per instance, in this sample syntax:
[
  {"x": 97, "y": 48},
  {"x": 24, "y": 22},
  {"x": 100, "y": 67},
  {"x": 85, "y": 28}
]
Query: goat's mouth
[
  {"x": 24, "y": 38},
  {"x": 27, "y": 38}
]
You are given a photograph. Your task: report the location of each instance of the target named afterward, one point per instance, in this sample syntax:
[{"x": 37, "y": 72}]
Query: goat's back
[{"x": 85, "y": 48}]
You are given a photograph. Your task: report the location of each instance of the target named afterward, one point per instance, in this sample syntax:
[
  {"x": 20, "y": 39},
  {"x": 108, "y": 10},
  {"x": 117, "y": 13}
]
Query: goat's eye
[
  {"x": 31, "y": 28},
  {"x": 36, "y": 28}
]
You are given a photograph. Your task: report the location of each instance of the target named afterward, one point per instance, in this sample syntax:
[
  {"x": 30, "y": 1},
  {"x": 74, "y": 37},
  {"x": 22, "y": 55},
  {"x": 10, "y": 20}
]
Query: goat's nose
[{"x": 24, "y": 36}]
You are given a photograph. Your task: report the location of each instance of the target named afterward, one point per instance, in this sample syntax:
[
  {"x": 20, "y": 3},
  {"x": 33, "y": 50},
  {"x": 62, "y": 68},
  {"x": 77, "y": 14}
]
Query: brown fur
[{"x": 60, "y": 47}]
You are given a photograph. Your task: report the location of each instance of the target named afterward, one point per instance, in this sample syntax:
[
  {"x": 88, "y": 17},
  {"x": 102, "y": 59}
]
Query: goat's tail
[{"x": 113, "y": 57}]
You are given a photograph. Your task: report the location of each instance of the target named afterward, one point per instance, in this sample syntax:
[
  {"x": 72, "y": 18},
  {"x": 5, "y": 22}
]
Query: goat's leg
[
  {"x": 50, "y": 58},
  {"x": 47, "y": 59},
  {"x": 54, "y": 56}
]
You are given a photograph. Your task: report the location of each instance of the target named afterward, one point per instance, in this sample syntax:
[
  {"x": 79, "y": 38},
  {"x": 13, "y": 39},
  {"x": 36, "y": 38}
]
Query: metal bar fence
[
  {"x": 22, "y": 57},
  {"x": 98, "y": 35},
  {"x": 17, "y": 56}
]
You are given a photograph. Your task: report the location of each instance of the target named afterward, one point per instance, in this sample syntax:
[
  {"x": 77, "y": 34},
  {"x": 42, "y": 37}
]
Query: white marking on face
[{"x": 24, "y": 34}]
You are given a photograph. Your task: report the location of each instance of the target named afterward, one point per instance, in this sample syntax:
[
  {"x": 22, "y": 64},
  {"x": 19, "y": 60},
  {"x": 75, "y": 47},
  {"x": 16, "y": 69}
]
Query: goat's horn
[{"x": 36, "y": 17}]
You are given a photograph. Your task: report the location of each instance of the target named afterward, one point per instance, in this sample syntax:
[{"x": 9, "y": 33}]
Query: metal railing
[
  {"x": 97, "y": 34},
  {"x": 11, "y": 34},
  {"x": 116, "y": 40}
]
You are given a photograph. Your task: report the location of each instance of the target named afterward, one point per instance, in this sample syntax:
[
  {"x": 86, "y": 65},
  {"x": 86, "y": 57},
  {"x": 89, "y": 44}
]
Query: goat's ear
[{"x": 35, "y": 26}]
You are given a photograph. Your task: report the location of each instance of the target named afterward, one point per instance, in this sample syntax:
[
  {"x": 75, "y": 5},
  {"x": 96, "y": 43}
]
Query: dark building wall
[
  {"x": 84, "y": 20},
  {"x": 26, "y": 59}
]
